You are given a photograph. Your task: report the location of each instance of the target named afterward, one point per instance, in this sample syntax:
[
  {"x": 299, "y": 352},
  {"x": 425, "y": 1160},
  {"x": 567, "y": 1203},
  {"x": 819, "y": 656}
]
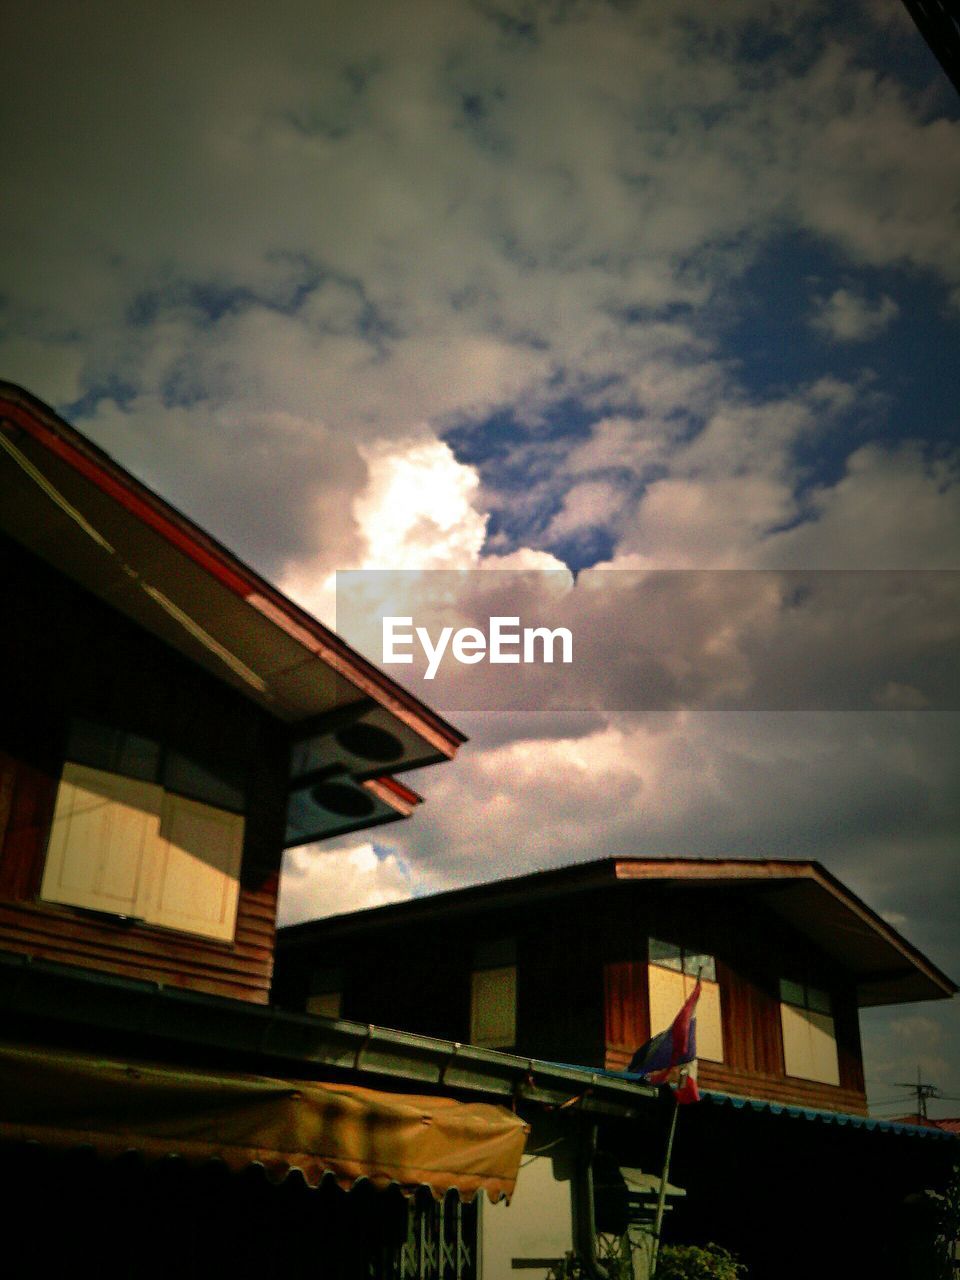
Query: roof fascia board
[{"x": 58, "y": 437}]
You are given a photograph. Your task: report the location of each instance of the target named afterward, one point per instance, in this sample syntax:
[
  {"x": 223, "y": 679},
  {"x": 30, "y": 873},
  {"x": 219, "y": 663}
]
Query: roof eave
[{"x": 57, "y": 436}]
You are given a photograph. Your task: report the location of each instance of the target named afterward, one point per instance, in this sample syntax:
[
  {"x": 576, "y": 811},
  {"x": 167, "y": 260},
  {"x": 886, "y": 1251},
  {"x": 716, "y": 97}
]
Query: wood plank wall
[
  {"x": 753, "y": 949},
  {"x": 62, "y": 653},
  {"x": 582, "y": 981}
]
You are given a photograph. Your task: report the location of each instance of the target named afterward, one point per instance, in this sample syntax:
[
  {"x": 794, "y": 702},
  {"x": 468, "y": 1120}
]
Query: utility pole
[{"x": 922, "y": 1091}]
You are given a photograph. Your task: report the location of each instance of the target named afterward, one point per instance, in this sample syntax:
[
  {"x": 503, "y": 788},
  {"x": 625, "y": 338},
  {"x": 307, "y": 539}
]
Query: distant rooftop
[{"x": 888, "y": 969}]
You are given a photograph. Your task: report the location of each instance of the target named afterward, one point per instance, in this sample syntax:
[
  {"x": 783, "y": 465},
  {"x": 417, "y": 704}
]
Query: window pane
[
  {"x": 668, "y": 990},
  {"x": 792, "y": 993},
  {"x": 102, "y": 840},
  {"x": 493, "y": 1007},
  {"x": 195, "y": 887},
  {"x": 185, "y": 777},
  {"x": 113, "y": 751},
  {"x": 666, "y": 954},
  {"x": 818, "y": 1000},
  {"x": 694, "y": 962},
  {"x": 809, "y": 1045}
]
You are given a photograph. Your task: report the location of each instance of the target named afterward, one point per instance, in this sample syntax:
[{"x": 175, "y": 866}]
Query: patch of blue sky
[
  {"x": 289, "y": 280},
  {"x": 519, "y": 27},
  {"x": 385, "y": 852},
  {"x": 568, "y": 419},
  {"x": 110, "y": 387},
  {"x": 183, "y": 387},
  {"x": 584, "y": 548},
  {"x": 509, "y": 529},
  {"x": 910, "y": 384},
  {"x": 478, "y": 116},
  {"x": 899, "y": 50},
  {"x": 513, "y": 454}
]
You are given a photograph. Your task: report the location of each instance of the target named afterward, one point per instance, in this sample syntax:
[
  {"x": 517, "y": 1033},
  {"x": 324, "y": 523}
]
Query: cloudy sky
[{"x": 548, "y": 286}]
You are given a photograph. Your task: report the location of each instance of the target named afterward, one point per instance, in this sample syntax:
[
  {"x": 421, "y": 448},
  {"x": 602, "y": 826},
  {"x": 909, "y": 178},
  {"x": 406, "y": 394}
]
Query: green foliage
[
  {"x": 691, "y": 1262},
  {"x": 676, "y": 1262},
  {"x": 948, "y": 1228}
]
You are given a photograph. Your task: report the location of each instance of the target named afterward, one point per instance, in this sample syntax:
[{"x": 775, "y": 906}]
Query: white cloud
[
  {"x": 296, "y": 258},
  {"x": 591, "y": 504},
  {"x": 848, "y": 316},
  {"x": 319, "y": 881},
  {"x": 417, "y": 509},
  {"x": 892, "y": 509}
]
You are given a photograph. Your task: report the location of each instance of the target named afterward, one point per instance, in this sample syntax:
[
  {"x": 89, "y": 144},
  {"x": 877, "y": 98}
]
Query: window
[
  {"x": 672, "y": 975},
  {"x": 493, "y": 995},
  {"x": 144, "y": 832},
  {"x": 809, "y": 1038}
]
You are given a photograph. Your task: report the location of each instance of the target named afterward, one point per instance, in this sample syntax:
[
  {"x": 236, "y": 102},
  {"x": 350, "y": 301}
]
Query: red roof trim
[
  {"x": 128, "y": 500},
  {"x": 43, "y": 425},
  {"x": 399, "y": 790}
]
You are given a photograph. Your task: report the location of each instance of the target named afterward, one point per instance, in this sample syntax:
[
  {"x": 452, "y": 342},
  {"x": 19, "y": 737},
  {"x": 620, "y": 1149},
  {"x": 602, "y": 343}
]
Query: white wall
[{"x": 537, "y": 1223}]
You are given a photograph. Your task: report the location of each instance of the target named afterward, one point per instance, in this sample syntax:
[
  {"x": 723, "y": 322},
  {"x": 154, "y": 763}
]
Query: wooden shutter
[
  {"x": 493, "y": 1007},
  {"x": 668, "y": 990},
  {"x": 103, "y": 836},
  {"x": 129, "y": 848},
  {"x": 809, "y": 1045},
  {"x": 195, "y": 873}
]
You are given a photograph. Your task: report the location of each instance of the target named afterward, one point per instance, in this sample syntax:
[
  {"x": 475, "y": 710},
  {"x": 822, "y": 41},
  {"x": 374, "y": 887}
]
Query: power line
[{"x": 922, "y": 1091}]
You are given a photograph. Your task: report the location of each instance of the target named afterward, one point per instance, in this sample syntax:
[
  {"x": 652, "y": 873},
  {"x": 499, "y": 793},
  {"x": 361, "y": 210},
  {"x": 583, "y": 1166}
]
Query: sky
[{"x": 541, "y": 286}]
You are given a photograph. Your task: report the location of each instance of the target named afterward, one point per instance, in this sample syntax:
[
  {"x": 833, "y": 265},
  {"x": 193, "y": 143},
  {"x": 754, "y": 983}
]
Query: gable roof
[
  {"x": 887, "y": 968},
  {"x": 71, "y": 504}
]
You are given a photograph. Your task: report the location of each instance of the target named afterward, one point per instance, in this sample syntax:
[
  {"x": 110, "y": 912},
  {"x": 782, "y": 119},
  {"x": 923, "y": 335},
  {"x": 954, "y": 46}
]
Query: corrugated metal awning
[
  {"x": 841, "y": 1118},
  {"x": 351, "y": 1133}
]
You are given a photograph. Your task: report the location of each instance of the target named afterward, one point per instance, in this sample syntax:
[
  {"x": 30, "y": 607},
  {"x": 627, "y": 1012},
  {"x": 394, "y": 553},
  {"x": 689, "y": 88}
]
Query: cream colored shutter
[
  {"x": 668, "y": 990},
  {"x": 809, "y": 1045},
  {"x": 102, "y": 839},
  {"x": 195, "y": 875},
  {"x": 493, "y": 1007}
]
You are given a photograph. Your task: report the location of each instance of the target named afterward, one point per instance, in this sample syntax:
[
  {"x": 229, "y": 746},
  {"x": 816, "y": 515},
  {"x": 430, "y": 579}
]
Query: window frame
[
  {"x": 175, "y": 851},
  {"x": 805, "y": 1029},
  {"x": 672, "y": 958},
  {"x": 494, "y": 961}
]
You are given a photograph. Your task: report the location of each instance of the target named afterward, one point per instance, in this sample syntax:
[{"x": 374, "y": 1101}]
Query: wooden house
[
  {"x": 585, "y": 963},
  {"x": 779, "y": 1161},
  {"x": 171, "y": 723}
]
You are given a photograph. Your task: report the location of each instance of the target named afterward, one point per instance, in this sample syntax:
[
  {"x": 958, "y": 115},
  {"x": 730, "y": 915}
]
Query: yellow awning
[{"x": 69, "y": 1099}]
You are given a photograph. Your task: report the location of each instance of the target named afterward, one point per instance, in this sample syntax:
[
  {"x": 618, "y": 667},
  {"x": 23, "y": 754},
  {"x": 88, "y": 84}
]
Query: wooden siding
[
  {"x": 419, "y": 979},
  {"x": 63, "y": 653},
  {"x": 560, "y": 1014},
  {"x": 755, "y": 1084},
  {"x": 753, "y": 950},
  {"x": 626, "y": 1009},
  {"x": 582, "y": 990}
]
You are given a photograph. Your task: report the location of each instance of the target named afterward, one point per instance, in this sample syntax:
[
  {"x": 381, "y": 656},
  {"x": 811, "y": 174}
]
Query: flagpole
[{"x": 662, "y": 1197}]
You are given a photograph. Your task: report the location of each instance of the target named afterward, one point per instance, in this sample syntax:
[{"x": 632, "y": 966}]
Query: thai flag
[{"x": 671, "y": 1056}]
